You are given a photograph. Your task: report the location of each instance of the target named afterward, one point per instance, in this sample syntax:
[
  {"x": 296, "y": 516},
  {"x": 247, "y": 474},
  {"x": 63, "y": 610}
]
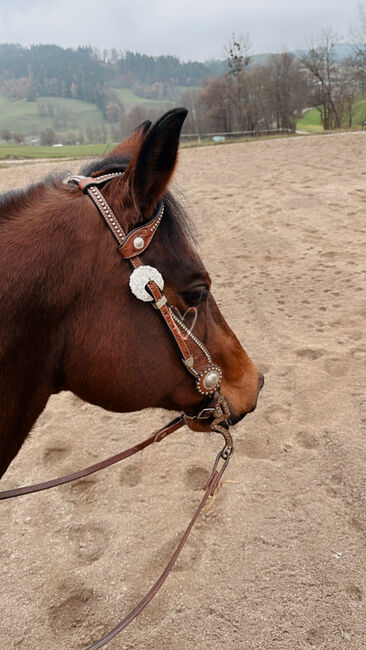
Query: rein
[{"x": 147, "y": 284}]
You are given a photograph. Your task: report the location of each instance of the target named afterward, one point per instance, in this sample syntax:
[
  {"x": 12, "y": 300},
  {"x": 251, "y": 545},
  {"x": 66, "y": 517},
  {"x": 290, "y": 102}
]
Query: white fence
[{"x": 232, "y": 135}]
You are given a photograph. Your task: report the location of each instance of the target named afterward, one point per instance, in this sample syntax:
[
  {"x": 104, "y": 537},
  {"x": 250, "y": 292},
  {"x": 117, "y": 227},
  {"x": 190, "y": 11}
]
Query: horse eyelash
[{"x": 189, "y": 298}]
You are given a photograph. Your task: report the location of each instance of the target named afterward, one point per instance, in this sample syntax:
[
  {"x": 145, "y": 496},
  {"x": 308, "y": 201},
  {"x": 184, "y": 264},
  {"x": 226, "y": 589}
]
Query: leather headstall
[{"x": 147, "y": 284}]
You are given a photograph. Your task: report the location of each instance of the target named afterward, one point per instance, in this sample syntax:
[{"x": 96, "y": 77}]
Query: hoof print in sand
[
  {"x": 354, "y": 591},
  {"x": 277, "y": 415},
  {"x": 72, "y": 611},
  {"x": 309, "y": 354},
  {"x": 315, "y": 636},
  {"x": 185, "y": 561},
  {"x": 56, "y": 452},
  {"x": 88, "y": 542},
  {"x": 306, "y": 440},
  {"x": 131, "y": 475},
  {"x": 336, "y": 367},
  {"x": 256, "y": 447},
  {"x": 196, "y": 477},
  {"x": 83, "y": 488},
  {"x": 359, "y": 354}
]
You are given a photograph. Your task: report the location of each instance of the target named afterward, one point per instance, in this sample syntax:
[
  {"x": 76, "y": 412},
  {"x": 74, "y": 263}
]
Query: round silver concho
[
  {"x": 139, "y": 279},
  {"x": 138, "y": 243},
  {"x": 209, "y": 380}
]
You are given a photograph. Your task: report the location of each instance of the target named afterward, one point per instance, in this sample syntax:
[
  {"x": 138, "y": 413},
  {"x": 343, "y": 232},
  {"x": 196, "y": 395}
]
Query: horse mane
[
  {"x": 14, "y": 201},
  {"x": 174, "y": 224}
]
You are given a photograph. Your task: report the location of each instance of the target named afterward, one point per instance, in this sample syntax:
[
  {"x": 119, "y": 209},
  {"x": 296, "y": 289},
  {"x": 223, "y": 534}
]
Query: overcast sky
[{"x": 191, "y": 29}]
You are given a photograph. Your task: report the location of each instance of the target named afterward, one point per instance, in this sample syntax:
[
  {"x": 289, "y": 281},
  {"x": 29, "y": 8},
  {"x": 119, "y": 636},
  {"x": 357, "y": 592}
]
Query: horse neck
[{"x": 41, "y": 276}]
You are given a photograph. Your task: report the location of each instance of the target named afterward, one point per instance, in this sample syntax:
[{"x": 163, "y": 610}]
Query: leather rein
[{"x": 147, "y": 284}]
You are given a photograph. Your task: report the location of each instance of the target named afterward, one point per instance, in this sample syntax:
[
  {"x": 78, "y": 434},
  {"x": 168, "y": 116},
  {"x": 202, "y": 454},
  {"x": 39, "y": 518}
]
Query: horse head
[{"x": 118, "y": 353}]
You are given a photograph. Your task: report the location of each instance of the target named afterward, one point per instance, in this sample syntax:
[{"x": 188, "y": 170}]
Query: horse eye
[{"x": 195, "y": 296}]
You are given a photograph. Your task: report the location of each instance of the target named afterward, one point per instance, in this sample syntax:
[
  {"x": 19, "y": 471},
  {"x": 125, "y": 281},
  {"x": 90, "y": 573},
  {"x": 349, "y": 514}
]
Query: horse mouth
[{"x": 234, "y": 419}]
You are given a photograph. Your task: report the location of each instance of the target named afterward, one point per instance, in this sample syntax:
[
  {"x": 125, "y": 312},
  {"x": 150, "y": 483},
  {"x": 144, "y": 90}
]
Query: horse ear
[
  {"x": 152, "y": 167},
  {"x": 133, "y": 143}
]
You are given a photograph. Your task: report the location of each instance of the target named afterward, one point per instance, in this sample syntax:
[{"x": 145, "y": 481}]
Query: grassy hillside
[
  {"x": 24, "y": 116},
  {"x": 129, "y": 99},
  {"x": 310, "y": 120},
  {"x": 68, "y": 114}
]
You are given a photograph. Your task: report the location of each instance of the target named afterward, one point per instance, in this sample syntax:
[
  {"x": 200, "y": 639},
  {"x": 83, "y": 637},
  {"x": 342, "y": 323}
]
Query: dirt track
[{"x": 278, "y": 562}]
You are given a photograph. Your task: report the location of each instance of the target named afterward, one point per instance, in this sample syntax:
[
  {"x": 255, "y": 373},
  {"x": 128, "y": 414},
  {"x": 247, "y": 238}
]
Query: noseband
[{"x": 147, "y": 284}]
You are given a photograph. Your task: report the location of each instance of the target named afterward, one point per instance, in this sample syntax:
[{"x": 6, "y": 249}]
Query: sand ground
[{"x": 278, "y": 561}]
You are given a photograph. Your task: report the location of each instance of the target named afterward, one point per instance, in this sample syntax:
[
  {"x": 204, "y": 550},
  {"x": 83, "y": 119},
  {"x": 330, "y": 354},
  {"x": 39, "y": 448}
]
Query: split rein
[
  {"x": 147, "y": 284},
  {"x": 217, "y": 471}
]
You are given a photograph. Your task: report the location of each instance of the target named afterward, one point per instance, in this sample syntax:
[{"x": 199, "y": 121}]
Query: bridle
[{"x": 147, "y": 284}]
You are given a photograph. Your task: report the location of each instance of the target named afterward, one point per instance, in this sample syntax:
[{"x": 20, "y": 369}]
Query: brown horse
[{"x": 68, "y": 319}]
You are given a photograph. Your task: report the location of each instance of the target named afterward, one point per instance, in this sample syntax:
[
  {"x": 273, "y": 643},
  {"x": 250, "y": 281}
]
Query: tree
[
  {"x": 322, "y": 64},
  {"x": 215, "y": 106},
  {"x": 113, "y": 113},
  {"x": 48, "y": 137},
  {"x": 90, "y": 134},
  {"x": 359, "y": 49},
  {"x": 70, "y": 137},
  {"x": 17, "y": 137},
  {"x": 237, "y": 54},
  {"x": 5, "y": 134},
  {"x": 238, "y": 60},
  {"x": 287, "y": 87}
]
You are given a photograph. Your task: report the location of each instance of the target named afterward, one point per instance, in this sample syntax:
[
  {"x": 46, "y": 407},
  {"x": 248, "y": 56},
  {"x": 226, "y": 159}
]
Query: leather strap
[
  {"x": 144, "y": 233},
  {"x": 157, "y": 436},
  {"x": 84, "y": 182},
  {"x": 223, "y": 456},
  {"x": 210, "y": 488}
]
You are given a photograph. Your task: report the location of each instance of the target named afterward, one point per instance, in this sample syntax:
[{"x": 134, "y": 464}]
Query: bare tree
[
  {"x": 350, "y": 87},
  {"x": 238, "y": 59},
  {"x": 215, "y": 106},
  {"x": 288, "y": 89},
  {"x": 5, "y": 134},
  {"x": 237, "y": 53},
  {"x": 322, "y": 64},
  {"x": 17, "y": 137},
  {"x": 359, "y": 51}
]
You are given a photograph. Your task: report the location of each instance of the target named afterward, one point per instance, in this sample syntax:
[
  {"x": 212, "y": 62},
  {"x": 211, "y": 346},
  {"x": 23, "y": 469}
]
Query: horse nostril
[{"x": 260, "y": 381}]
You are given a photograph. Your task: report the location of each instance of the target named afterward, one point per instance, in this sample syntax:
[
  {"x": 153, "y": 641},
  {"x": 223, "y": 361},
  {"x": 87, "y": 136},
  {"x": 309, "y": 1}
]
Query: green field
[
  {"x": 129, "y": 99},
  {"x": 24, "y": 116},
  {"x": 15, "y": 151},
  {"x": 310, "y": 120}
]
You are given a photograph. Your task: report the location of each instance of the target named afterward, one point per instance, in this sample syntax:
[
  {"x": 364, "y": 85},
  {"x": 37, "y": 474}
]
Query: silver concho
[
  {"x": 209, "y": 379},
  {"x": 138, "y": 243},
  {"x": 139, "y": 279}
]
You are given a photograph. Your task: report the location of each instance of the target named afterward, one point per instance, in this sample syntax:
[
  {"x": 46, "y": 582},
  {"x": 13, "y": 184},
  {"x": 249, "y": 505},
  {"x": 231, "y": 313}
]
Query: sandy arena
[{"x": 278, "y": 560}]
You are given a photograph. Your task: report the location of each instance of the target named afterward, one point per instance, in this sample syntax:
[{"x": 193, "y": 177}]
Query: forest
[{"x": 241, "y": 94}]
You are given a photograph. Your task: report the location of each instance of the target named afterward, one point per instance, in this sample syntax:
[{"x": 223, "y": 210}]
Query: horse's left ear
[{"x": 152, "y": 167}]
